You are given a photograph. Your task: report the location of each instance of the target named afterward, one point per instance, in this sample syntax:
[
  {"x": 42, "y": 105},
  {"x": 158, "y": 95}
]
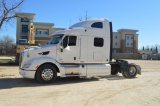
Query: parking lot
[{"x": 144, "y": 90}]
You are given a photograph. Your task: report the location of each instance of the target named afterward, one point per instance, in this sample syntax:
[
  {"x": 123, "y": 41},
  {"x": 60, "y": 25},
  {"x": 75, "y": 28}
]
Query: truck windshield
[{"x": 55, "y": 39}]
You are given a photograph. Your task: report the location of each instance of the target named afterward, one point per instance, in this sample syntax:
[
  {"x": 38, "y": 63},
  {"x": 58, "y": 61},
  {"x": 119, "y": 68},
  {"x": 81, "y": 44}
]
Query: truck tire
[
  {"x": 131, "y": 72},
  {"x": 46, "y": 73},
  {"x": 114, "y": 71}
]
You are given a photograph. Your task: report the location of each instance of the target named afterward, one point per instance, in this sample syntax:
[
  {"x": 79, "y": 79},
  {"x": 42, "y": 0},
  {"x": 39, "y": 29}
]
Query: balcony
[{"x": 42, "y": 35}]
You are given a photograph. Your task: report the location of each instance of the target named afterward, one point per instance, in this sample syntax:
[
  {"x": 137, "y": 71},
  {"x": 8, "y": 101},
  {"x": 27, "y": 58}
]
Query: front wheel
[{"x": 46, "y": 73}]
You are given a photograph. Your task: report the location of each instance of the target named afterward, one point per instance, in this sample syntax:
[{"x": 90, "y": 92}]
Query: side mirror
[
  {"x": 24, "y": 47},
  {"x": 39, "y": 44},
  {"x": 64, "y": 43},
  {"x": 28, "y": 46}
]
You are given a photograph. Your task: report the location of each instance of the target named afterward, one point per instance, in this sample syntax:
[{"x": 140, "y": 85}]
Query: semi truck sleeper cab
[{"x": 85, "y": 49}]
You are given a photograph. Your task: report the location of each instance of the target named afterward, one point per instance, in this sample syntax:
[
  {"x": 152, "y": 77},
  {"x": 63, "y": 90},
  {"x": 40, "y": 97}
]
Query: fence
[
  {"x": 126, "y": 56},
  {"x": 11, "y": 51}
]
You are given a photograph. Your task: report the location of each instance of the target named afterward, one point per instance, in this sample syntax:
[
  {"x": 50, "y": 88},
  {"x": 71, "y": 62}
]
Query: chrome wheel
[
  {"x": 132, "y": 70},
  {"x": 47, "y": 74}
]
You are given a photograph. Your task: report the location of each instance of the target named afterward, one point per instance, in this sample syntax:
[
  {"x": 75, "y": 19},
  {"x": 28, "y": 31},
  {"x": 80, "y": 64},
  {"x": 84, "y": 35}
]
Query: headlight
[{"x": 26, "y": 65}]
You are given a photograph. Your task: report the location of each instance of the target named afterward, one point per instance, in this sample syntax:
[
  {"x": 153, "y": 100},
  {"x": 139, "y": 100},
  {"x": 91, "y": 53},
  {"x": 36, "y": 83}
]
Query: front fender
[{"x": 36, "y": 62}]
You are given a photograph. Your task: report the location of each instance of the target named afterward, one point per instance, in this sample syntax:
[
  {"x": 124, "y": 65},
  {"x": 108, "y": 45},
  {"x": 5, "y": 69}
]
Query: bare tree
[
  {"x": 7, "y": 10},
  {"x": 7, "y": 44},
  {"x": 147, "y": 48},
  {"x": 154, "y": 49},
  {"x": 158, "y": 46}
]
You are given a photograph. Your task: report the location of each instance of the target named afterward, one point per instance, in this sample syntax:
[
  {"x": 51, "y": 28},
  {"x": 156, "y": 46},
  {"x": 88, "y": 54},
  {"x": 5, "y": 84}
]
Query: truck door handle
[{"x": 74, "y": 58}]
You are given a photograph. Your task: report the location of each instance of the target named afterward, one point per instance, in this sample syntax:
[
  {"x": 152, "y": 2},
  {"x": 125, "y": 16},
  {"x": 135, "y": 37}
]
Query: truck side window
[
  {"x": 72, "y": 40},
  {"x": 65, "y": 42},
  {"x": 97, "y": 25},
  {"x": 98, "y": 42}
]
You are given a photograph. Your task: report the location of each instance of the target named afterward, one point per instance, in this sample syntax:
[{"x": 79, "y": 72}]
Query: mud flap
[
  {"x": 124, "y": 67},
  {"x": 138, "y": 69}
]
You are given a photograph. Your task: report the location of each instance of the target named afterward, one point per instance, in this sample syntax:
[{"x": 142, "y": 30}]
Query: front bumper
[{"x": 27, "y": 73}]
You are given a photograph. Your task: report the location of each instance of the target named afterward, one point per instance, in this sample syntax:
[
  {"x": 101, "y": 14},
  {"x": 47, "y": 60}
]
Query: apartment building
[
  {"x": 42, "y": 30},
  {"x": 125, "y": 41}
]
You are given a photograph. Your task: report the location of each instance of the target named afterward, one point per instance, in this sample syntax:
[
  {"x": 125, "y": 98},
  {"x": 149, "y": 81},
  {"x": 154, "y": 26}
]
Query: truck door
[
  {"x": 69, "y": 53},
  {"x": 83, "y": 49}
]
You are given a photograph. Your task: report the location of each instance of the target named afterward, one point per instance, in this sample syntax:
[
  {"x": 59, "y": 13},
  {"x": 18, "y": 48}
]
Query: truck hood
[
  {"x": 38, "y": 52},
  {"x": 40, "y": 48}
]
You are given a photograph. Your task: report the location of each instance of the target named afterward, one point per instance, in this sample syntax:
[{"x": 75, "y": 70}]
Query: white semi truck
[{"x": 85, "y": 49}]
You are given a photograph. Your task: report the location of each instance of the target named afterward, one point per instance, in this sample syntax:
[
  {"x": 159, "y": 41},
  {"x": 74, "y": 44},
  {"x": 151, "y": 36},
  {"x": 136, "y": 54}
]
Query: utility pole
[{"x": 86, "y": 15}]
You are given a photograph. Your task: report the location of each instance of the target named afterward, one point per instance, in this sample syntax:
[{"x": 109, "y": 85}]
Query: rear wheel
[
  {"x": 131, "y": 72},
  {"x": 46, "y": 73}
]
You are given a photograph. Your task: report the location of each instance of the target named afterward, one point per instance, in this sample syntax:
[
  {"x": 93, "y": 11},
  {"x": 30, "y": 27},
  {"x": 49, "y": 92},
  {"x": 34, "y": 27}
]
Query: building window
[
  {"x": 42, "y": 32},
  {"x": 97, "y": 25},
  {"x": 24, "y": 20},
  {"x": 127, "y": 44},
  {"x": 98, "y": 42},
  {"x": 39, "y": 32},
  {"x": 127, "y": 37},
  {"x": 115, "y": 37},
  {"x": 115, "y": 44},
  {"x": 25, "y": 29}
]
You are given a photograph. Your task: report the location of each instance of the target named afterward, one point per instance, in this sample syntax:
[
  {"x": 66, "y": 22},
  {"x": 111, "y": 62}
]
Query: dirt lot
[{"x": 144, "y": 90}]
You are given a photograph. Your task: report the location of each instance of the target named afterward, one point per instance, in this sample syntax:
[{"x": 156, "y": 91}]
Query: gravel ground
[{"x": 144, "y": 90}]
